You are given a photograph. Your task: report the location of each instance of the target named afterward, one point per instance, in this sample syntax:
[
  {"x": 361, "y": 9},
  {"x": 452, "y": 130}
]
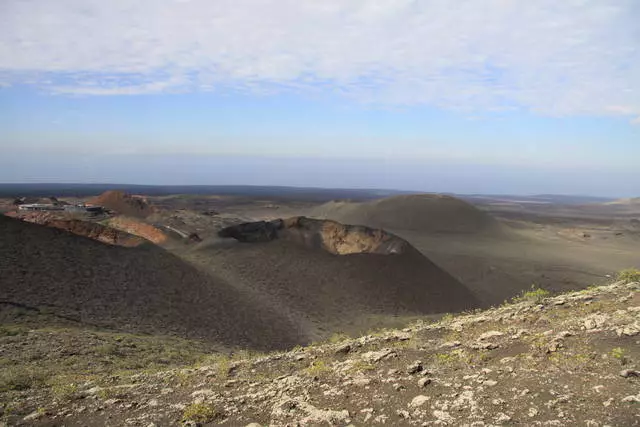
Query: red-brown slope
[
  {"x": 92, "y": 230},
  {"x": 138, "y": 228},
  {"x": 124, "y": 204}
]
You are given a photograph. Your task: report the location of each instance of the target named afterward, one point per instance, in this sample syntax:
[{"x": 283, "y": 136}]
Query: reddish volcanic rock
[{"x": 124, "y": 204}]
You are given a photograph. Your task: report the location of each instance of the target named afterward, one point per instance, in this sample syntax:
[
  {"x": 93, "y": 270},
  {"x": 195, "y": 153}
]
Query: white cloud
[{"x": 571, "y": 57}]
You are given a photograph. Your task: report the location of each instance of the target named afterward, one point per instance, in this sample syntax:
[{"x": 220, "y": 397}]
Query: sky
[{"x": 483, "y": 96}]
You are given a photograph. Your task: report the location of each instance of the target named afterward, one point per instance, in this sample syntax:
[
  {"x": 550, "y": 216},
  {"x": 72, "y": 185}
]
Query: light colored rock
[
  {"x": 313, "y": 415},
  {"x": 401, "y": 336},
  {"x": 595, "y": 321},
  {"x": 450, "y": 344},
  {"x": 361, "y": 382},
  {"x": 626, "y": 373},
  {"x": 490, "y": 334},
  {"x": 33, "y": 416},
  {"x": 519, "y": 334},
  {"x": 419, "y": 401},
  {"x": 376, "y": 356},
  {"x": 203, "y": 392},
  {"x": 402, "y": 413},
  {"x": 415, "y": 367},
  {"x": 482, "y": 345},
  {"x": 632, "y": 399},
  {"x": 423, "y": 382},
  {"x": 381, "y": 419},
  {"x": 490, "y": 383},
  {"x": 443, "y": 416},
  {"x": 554, "y": 346},
  {"x": 343, "y": 349},
  {"x": 368, "y": 413},
  {"x": 629, "y": 330},
  {"x": 501, "y": 417}
]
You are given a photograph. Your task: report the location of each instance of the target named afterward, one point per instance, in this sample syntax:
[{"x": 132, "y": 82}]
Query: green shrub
[
  {"x": 108, "y": 350},
  {"x": 200, "y": 413},
  {"x": 317, "y": 368},
  {"x": 535, "y": 294},
  {"x": 629, "y": 275},
  {"x": 10, "y": 331},
  {"x": 64, "y": 391},
  {"x": 20, "y": 378},
  {"x": 361, "y": 366},
  {"x": 338, "y": 337},
  {"x": 620, "y": 354}
]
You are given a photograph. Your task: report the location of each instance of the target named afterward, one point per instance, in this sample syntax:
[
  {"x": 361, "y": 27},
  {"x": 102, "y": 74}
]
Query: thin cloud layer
[{"x": 550, "y": 57}]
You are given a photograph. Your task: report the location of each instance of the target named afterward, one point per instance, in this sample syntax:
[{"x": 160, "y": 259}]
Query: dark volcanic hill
[
  {"x": 331, "y": 275},
  {"x": 306, "y": 279},
  {"x": 145, "y": 289},
  {"x": 430, "y": 213}
]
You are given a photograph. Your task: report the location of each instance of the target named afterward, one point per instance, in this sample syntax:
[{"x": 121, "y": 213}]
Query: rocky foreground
[{"x": 572, "y": 359}]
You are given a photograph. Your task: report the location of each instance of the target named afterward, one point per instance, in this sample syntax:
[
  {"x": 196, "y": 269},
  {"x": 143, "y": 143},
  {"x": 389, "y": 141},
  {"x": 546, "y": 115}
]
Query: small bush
[
  {"x": 361, "y": 366},
  {"x": 317, "y": 368},
  {"x": 449, "y": 358},
  {"x": 629, "y": 275},
  {"x": 338, "y": 337},
  {"x": 64, "y": 391},
  {"x": 619, "y": 353},
  {"x": 200, "y": 413},
  {"x": 15, "y": 378},
  {"x": 447, "y": 318},
  {"x": 535, "y": 294},
  {"x": 108, "y": 350},
  {"x": 223, "y": 366},
  {"x": 8, "y": 332}
]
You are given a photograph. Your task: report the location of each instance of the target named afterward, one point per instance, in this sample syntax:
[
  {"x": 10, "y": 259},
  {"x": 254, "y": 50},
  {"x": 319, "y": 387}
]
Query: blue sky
[{"x": 490, "y": 96}]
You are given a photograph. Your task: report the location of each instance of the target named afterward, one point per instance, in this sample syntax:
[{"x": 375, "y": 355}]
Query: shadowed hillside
[
  {"x": 143, "y": 289},
  {"x": 431, "y": 213},
  {"x": 298, "y": 271}
]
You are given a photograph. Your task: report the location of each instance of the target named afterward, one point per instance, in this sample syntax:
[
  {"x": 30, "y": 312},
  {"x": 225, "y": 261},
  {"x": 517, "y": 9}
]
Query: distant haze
[{"x": 327, "y": 173}]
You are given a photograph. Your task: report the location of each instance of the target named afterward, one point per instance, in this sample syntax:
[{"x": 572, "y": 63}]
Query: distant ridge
[
  {"x": 273, "y": 192},
  {"x": 432, "y": 213}
]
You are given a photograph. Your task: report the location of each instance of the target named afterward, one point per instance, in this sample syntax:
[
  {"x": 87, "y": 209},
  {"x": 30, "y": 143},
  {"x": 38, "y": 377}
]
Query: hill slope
[
  {"x": 124, "y": 204},
  {"x": 143, "y": 289},
  {"x": 430, "y": 213},
  {"x": 301, "y": 273},
  {"x": 570, "y": 360}
]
